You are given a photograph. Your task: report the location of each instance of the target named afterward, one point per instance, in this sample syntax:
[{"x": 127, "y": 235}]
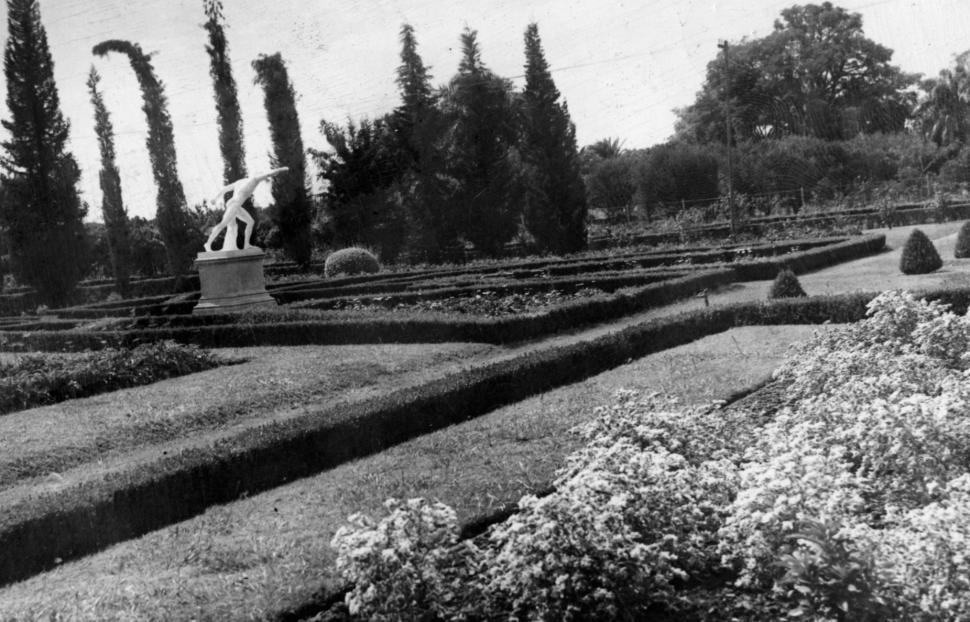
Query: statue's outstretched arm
[{"x": 222, "y": 193}]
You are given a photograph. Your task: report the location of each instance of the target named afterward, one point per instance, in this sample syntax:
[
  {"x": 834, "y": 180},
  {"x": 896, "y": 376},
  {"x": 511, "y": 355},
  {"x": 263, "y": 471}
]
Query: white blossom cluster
[{"x": 851, "y": 503}]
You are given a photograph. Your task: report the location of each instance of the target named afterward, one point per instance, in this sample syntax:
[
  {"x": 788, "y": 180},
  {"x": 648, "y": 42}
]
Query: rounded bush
[
  {"x": 786, "y": 285},
  {"x": 350, "y": 261},
  {"x": 963, "y": 242},
  {"x": 919, "y": 255}
]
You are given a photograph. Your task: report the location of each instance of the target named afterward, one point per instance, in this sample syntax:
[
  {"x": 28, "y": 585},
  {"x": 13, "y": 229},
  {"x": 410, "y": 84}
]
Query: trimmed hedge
[
  {"x": 786, "y": 285},
  {"x": 420, "y": 328},
  {"x": 40, "y": 380},
  {"x": 962, "y": 249},
  {"x": 919, "y": 255},
  {"x": 351, "y": 261},
  {"x": 39, "y": 531}
]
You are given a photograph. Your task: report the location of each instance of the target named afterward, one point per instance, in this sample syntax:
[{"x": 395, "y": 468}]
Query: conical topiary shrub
[
  {"x": 919, "y": 255},
  {"x": 963, "y": 242},
  {"x": 786, "y": 285}
]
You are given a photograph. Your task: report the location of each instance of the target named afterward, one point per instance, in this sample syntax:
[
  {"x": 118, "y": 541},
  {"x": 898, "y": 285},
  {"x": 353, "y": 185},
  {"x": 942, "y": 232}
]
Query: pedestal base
[{"x": 232, "y": 281}]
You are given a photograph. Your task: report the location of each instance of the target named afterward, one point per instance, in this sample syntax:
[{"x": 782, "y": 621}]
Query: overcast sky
[{"x": 623, "y": 66}]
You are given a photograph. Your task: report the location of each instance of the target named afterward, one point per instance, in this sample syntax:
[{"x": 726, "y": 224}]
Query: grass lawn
[
  {"x": 86, "y": 434},
  {"x": 256, "y": 557}
]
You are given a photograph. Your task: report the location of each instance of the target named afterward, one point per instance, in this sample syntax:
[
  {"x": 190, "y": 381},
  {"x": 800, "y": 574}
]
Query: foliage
[
  {"x": 919, "y": 255},
  {"x": 786, "y": 285},
  {"x": 962, "y": 249},
  {"x": 610, "y": 181},
  {"x": 112, "y": 205},
  {"x": 482, "y": 155},
  {"x": 838, "y": 84},
  {"x": 361, "y": 173},
  {"x": 40, "y": 209},
  {"x": 181, "y": 241},
  {"x": 34, "y": 380},
  {"x": 943, "y": 115},
  {"x": 555, "y": 198},
  {"x": 148, "y": 257},
  {"x": 350, "y": 261},
  {"x": 293, "y": 209},
  {"x": 675, "y": 172},
  {"x": 403, "y": 566},
  {"x": 487, "y": 303},
  {"x": 426, "y": 189},
  {"x": 850, "y": 502},
  {"x": 228, "y": 113}
]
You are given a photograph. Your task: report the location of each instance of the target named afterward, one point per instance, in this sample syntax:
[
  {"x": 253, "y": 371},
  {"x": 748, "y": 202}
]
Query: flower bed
[
  {"x": 850, "y": 502},
  {"x": 35, "y": 380},
  {"x": 486, "y": 303}
]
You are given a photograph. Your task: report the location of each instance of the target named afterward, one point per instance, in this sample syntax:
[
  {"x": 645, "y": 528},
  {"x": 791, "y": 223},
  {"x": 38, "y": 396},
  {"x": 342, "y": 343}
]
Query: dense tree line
[{"x": 472, "y": 163}]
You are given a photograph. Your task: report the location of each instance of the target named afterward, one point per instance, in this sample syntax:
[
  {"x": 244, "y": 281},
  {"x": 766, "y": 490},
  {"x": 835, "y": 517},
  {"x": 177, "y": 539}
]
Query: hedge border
[
  {"x": 39, "y": 531},
  {"x": 386, "y": 329}
]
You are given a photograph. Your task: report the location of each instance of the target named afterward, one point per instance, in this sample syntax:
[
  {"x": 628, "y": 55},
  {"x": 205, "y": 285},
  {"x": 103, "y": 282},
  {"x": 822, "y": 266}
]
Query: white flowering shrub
[
  {"x": 407, "y": 566},
  {"x": 612, "y": 538},
  {"x": 925, "y": 554},
  {"x": 852, "y": 503}
]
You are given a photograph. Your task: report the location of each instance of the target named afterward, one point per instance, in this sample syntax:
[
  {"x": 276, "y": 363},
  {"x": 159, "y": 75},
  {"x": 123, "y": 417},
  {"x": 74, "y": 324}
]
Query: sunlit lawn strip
[{"x": 256, "y": 557}]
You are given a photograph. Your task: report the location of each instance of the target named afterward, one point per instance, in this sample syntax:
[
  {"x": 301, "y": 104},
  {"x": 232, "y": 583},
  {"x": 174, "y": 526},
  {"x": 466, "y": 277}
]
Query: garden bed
[{"x": 35, "y": 380}]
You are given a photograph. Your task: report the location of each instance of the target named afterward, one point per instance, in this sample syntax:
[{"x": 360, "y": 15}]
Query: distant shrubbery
[
  {"x": 351, "y": 261},
  {"x": 35, "y": 380},
  {"x": 786, "y": 285},
  {"x": 962, "y": 249}
]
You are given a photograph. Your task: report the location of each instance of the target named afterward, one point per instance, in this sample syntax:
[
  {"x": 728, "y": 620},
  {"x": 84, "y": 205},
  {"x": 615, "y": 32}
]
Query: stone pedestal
[{"x": 232, "y": 280}]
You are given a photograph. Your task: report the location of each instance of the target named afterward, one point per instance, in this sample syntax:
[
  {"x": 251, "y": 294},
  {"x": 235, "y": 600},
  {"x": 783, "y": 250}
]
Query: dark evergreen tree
[
  {"x": 112, "y": 205},
  {"x": 227, "y": 103},
  {"x": 482, "y": 156},
  {"x": 555, "y": 197},
  {"x": 361, "y": 173},
  {"x": 181, "y": 241},
  {"x": 424, "y": 187},
  {"x": 41, "y": 210},
  {"x": 293, "y": 211}
]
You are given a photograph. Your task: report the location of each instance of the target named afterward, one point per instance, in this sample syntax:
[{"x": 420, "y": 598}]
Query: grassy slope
[
  {"x": 255, "y": 557},
  {"x": 106, "y": 428}
]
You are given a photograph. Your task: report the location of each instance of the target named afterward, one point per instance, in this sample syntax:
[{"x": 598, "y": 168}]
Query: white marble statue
[{"x": 241, "y": 190}]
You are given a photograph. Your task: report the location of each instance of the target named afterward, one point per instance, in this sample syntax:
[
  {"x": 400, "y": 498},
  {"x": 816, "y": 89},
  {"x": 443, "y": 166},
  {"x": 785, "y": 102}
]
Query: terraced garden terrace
[{"x": 216, "y": 494}]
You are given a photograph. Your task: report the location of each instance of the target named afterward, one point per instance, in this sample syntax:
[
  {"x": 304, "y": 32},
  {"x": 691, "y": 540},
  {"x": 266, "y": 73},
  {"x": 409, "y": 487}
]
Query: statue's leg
[
  {"x": 229, "y": 242},
  {"x": 244, "y": 216}
]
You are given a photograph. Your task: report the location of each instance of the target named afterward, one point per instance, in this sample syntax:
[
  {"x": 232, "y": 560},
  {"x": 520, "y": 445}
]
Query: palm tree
[{"x": 944, "y": 115}]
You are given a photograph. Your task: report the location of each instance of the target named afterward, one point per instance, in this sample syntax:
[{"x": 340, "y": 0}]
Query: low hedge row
[
  {"x": 608, "y": 282},
  {"x": 39, "y": 531},
  {"x": 393, "y": 328},
  {"x": 37, "y": 380},
  {"x": 811, "y": 259}
]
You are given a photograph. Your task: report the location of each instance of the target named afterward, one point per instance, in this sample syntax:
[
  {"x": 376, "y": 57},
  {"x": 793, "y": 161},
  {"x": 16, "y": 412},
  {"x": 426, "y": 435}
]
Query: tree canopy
[
  {"x": 40, "y": 210},
  {"x": 816, "y": 74}
]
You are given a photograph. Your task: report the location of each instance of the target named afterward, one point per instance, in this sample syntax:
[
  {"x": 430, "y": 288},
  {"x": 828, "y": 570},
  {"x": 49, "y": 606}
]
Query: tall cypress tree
[
  {"x": 112, "y": 206},
  {"x": 227, "y": 103},
  {"x": 181, "y": 242},
  {"x": 292, "y": 210},
  {"x": 555, "y": 196},
  {"x": 41, "y": 211},
  {"x": 227, "y": 100},
  {"x": 483, "y": 158},
  {"x": 420, "y": 129}
]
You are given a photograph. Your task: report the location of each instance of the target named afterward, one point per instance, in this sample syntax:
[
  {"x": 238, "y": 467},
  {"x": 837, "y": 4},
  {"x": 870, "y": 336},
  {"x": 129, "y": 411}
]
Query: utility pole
[{"x": 730, "y": 149}]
